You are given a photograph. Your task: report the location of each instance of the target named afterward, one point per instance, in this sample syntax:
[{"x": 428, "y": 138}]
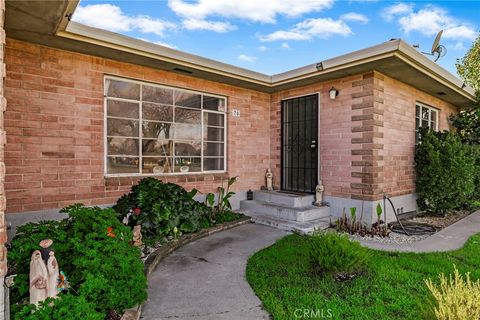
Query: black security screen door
[{"x": 299, "y": 144}]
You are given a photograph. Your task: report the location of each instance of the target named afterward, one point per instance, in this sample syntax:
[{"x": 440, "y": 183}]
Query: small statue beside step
[
  {"x": 319, "y": 189},
  {"x": 269, "y": 179}
]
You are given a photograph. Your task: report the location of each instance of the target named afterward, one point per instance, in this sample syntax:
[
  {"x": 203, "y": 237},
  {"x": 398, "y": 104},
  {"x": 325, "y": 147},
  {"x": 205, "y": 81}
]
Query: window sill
[{"x": 130, "y": 180}]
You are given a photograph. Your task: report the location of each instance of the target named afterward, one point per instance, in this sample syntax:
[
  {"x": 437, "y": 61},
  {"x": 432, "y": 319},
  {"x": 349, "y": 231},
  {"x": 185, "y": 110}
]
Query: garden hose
[
  {"x": 386, "y": 197},
  {"x": 409, "y": 228},
  {"x": 413, "y": 228}
]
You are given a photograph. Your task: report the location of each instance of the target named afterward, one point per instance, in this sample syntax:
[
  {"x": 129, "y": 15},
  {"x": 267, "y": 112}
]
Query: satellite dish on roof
[
  {"x": 438, "y": 50},
  {"x": 436, "y": 43}
]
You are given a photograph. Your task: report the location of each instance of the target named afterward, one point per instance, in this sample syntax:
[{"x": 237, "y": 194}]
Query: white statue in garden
[
  {"x": 137, "y": 236},
  {"x": 53, "y": 275},
  {"x": 38, "y": 278},
  {"x": 44, "y": 273}
]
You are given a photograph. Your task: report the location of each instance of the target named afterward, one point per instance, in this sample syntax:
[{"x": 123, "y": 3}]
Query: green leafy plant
[
  {"x": 354, "y": 226},
  {"x": 446, "y": 172},
  {"x": 223, "y": 205},
  {"x": 67, "y": 307},
  {"x": 94, "y": 250},
  {"x": 379, "y": 212},
  {"x": 467, "y": 124},
  {"x": 161, "y": 208},
  {"x": 335, "y": 254}
]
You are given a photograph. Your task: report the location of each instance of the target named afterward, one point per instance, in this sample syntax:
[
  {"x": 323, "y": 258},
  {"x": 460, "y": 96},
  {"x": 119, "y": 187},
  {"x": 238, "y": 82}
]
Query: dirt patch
[{"x": 441, "y": 221}]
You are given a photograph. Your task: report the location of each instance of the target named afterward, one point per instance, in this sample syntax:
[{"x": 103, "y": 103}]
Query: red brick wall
[
  {"x": 3, "y": 104},
  {"x": 335, "y": 133},
  {"x": 54, "y": 152},
  {"x": 367, "y": 134},
  {"x": 399, "y": 133}
]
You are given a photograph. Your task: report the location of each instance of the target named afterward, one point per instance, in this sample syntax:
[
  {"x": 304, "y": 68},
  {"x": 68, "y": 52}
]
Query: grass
[{"x": 393, "y": 288}]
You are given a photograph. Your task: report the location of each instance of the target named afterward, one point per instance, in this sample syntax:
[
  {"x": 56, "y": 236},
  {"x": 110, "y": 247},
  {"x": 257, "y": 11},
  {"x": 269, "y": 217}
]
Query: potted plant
[{"x": 184, "y": 165}]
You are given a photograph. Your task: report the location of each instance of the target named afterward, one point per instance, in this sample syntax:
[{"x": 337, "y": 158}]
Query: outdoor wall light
[{"x": 333, "y": 93}]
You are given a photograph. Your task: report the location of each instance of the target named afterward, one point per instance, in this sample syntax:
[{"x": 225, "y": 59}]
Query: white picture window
[
  {"x": 153, "y": 129},
  {"x": 425, "y": 116}
]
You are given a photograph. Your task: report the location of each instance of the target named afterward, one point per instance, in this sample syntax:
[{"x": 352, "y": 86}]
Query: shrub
[
  {"x": 67, "y": 307},
  {"x": 467, "y": 124},
  {"x": 163, "y": 209},
  {"x": 335, "y": 254},
  {"x": 446, "y": 172},
  {"x": 456, "y": 298},
  {"x": 102, "y": 267}
]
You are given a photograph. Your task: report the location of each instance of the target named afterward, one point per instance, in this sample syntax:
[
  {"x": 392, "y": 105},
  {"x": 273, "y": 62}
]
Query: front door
[{"x": 299, "y": 160}]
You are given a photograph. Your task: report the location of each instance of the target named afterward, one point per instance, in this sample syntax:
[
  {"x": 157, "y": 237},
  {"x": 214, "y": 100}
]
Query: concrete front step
[
  {"x": 307, "y": 227},
  {"x": 283, "y": 212},
  {"x": 284, "y": 199}
]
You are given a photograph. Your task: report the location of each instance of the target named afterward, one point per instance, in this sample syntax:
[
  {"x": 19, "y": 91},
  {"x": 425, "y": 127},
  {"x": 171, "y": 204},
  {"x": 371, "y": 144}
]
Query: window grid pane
[
  {"x": 425, "y": 116},
  {"x": 157, "y": 129}
]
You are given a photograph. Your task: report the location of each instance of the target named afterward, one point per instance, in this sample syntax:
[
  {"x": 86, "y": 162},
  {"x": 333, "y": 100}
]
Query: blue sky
[{"x": 276, "y": 36}]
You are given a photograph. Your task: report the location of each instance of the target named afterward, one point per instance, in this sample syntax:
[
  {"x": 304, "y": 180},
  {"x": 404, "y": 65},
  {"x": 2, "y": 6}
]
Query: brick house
[{"x": 89, "y": 112}]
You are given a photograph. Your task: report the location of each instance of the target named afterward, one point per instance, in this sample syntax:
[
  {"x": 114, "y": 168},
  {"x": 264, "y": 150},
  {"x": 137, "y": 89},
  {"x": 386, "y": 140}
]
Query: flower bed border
[{"x": 164, "y": 251}]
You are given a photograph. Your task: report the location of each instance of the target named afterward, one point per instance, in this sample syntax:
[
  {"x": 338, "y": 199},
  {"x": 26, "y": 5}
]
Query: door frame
[{"x": 318, "y": 94}]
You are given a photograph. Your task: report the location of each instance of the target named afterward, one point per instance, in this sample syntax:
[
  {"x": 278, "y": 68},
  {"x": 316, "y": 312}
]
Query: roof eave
[{"x": 80, "y": 32}]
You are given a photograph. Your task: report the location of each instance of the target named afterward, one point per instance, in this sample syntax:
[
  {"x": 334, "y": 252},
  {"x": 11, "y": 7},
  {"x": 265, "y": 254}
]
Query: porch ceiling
[
  {"x": 45, "y": 22},
  {"x": 31, "y": 20}
]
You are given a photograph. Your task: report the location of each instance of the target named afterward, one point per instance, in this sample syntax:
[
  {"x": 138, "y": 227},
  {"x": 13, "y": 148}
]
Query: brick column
[
  {"x": 3, "y": 103},
  {"x": 369, "y": 143}
]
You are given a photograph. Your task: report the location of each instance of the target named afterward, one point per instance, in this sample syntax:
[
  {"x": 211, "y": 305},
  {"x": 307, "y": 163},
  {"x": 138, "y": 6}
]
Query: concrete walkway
[
  {"x": 206, "y": 278},
  {"x": 451, "y": 238}
]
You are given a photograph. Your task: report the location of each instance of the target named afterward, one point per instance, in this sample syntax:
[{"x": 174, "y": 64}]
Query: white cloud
[
  {"x": 311, "y": 28},
  {"x": 463, "y": 31},
  {"x": 244, "y": 57},
  {"x": 252, "y": 10},
  {"x": 285, "y": 35},
  {"x": 353, "y": 16},
  {"x": 431, "y": 19},
  {"x": 459, "y": 46},
  {"x": 285, "y": 45},
  {"x": 397, "y": 9},
  {"x": 145, "y": 24},
  {"x": 216, "y": 26},
  {"x": 111, "y": 17},
  {"x": 262, "y": 48}
]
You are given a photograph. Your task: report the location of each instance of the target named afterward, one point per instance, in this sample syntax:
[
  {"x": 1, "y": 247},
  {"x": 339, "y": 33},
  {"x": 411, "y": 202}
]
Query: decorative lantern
[
  {"x": 249, "y": 195},
  {"x": 333, "y": 93}
]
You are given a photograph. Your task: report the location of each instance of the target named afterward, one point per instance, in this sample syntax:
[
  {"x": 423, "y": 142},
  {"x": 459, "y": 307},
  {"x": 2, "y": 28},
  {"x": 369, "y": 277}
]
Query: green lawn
[{"x": 393, "y": 288}]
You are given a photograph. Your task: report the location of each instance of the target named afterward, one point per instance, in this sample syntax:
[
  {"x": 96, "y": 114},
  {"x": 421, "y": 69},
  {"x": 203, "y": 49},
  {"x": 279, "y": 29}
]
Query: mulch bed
[{"x": 438, "y": 221}]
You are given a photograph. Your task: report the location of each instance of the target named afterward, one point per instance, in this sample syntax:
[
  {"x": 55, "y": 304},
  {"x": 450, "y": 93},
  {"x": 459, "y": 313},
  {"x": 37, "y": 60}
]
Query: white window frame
[
  {"x": 420, "y": 120},
  {"x": 140, "y": 137},
  {"x": 429, "y": 108}
]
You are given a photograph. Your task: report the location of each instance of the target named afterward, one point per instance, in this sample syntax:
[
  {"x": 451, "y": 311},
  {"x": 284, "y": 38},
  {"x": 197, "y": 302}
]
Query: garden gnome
[
  {"x": 269, "y": 178},
  {"x": 38, "y": 278},
  {"x": 319, "y": 193},
  {"x": 137, "y": 236}
]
